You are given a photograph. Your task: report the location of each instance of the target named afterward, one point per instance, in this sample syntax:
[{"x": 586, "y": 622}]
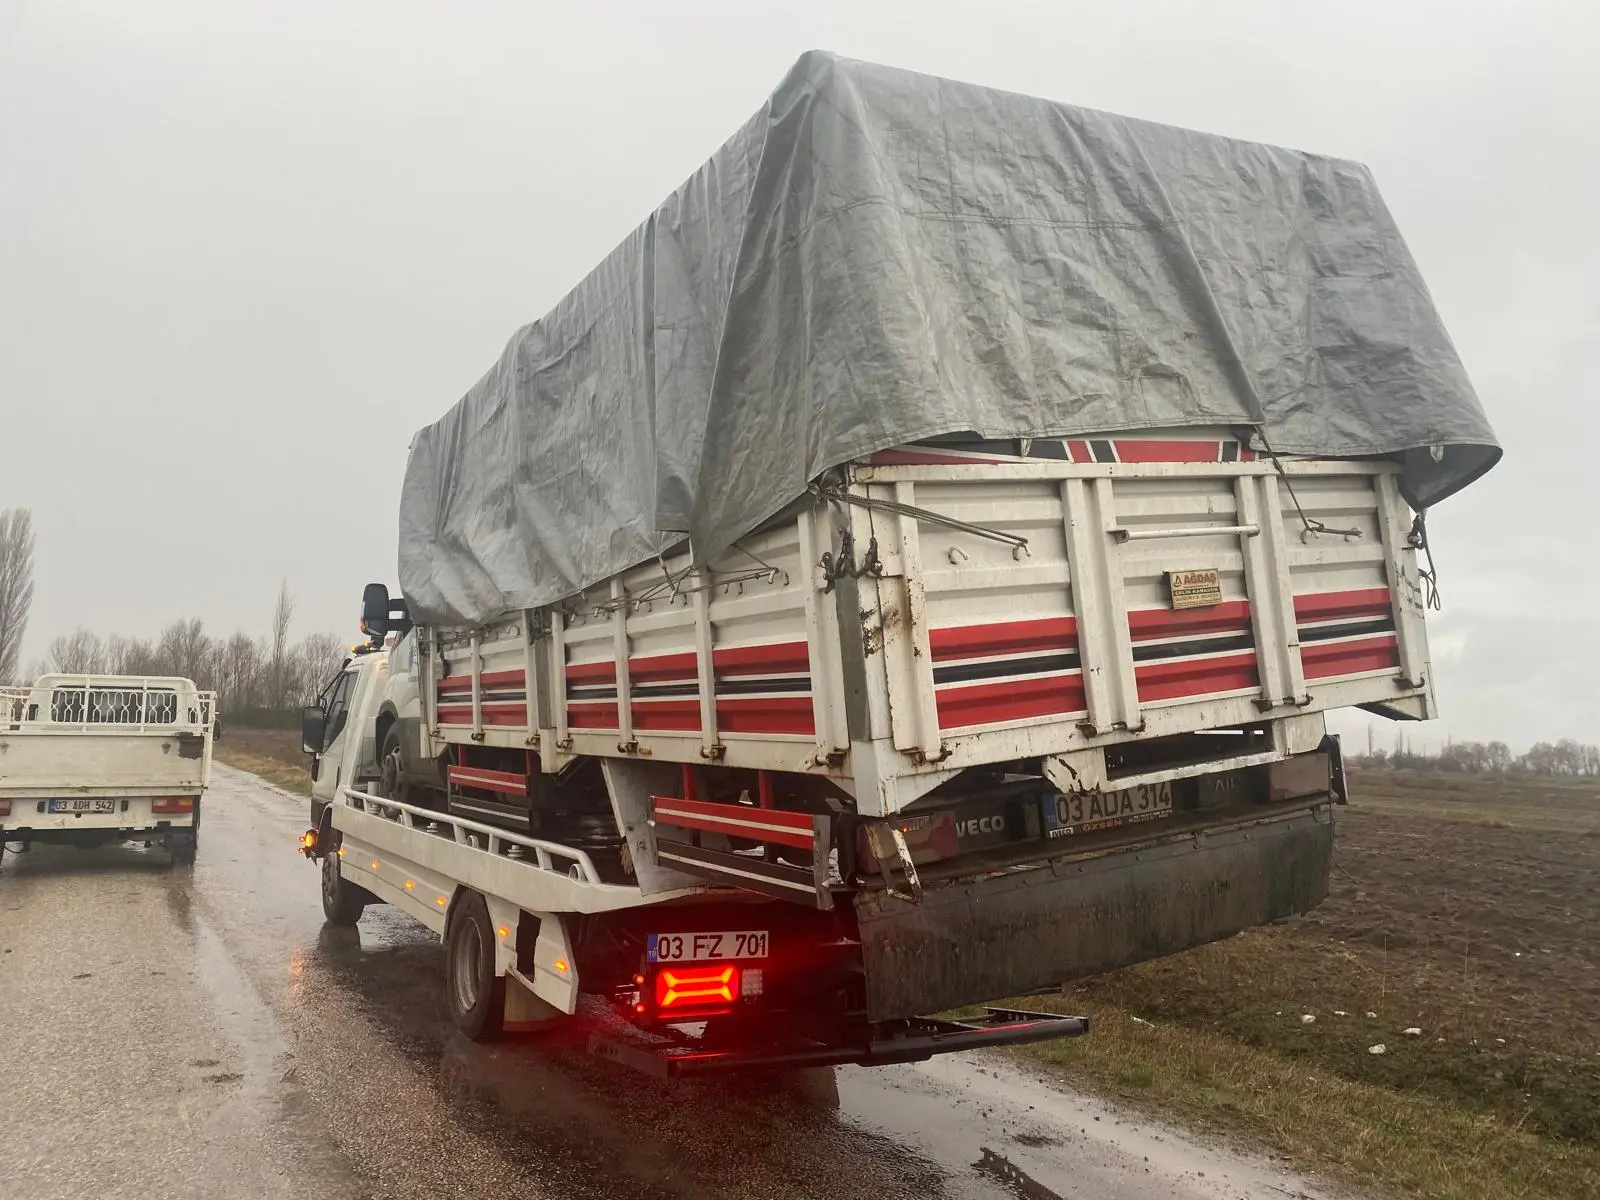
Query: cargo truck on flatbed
[{"x": 903, "y": 576}]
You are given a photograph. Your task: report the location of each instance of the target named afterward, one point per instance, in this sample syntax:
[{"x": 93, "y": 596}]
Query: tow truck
[{"x": 542, "y": 935}]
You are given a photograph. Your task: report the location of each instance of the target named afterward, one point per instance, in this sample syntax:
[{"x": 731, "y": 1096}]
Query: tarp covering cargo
[{"x": 879, "y": 257}]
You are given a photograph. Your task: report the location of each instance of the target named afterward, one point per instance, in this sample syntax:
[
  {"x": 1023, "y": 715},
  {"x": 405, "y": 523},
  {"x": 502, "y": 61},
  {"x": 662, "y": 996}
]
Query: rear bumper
[
  {"x": 131, "y": 817},
  {"x": 1031, "y": 930}
]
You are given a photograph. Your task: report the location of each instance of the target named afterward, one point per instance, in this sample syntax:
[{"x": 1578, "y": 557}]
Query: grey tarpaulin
[{"x": 879, "y": 257}]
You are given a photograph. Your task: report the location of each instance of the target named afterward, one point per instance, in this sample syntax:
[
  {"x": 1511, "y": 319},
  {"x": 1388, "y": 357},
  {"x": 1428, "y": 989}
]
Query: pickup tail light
[
  {"x": 5, "y": 808},
  {"x": 696, "y": 989},
  {"x": 173, "y": 804}
]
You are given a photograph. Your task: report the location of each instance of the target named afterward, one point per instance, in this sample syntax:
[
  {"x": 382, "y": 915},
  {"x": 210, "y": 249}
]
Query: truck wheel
[
  {"x": 391, "y": 768},
  {"x": 342, "y": 901},
  {"x": 475, "y": 994},
  {"x": 184, "y": 845}
]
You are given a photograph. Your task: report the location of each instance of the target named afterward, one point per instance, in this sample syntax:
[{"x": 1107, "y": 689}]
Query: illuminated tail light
[
  {"x": 173, "y": 804},
  {"x": 696, "y": 987}
]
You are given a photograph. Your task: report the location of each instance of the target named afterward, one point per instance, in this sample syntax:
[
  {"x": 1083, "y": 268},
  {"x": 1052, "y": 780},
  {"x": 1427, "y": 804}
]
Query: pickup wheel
[
  {"x": 183, "y": 845},
  {"x": 391, "y": 768},
  {"x": 342, "y": 901},
  {"x": 475, "y": 994}
]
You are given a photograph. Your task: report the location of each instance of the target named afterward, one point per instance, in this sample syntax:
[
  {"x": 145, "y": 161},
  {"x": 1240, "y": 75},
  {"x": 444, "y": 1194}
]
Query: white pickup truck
[{"x": 90, "y": 759}]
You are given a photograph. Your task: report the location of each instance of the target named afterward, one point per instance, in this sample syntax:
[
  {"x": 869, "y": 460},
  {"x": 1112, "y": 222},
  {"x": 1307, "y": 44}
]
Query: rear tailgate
[
  {"x": 1133, "y": 589},
  {"x": 41, "y": 762}
]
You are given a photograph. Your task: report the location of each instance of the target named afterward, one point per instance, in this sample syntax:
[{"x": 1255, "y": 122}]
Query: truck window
[
  {"x": 338, "y": 707},
  {"x": 113, "y": 706},
  {"x": 404, "y": 654}
]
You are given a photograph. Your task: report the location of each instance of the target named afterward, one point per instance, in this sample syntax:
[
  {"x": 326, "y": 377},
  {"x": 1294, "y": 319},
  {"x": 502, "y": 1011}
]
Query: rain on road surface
[{"x": 200, "y": 1033}]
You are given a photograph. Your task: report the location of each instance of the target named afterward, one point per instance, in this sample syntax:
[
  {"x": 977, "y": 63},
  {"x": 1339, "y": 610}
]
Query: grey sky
[{"x": 247, "y": 250}]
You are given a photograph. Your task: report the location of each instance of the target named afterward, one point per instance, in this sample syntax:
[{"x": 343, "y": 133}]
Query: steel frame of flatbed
[{"x": 419, "y": 860}]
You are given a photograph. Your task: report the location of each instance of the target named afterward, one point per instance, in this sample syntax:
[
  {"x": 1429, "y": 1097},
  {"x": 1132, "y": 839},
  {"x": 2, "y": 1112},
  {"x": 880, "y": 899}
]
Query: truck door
[{"x": 328, "y": 767}]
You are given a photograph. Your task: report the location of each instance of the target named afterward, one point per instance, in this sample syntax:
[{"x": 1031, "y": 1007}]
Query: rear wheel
[
  {"x": 475, "y": 994},
  {"x": 185, "y": 843},
  {"x": 342, "y": 901},
  {"x": 391, "y": 773}
]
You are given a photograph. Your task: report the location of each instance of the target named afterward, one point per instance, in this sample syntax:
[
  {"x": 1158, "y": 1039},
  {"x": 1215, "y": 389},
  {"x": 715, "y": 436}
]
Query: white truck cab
[
  {"x": 337, "y": 731},
  {"x": 90, "y": 759}
]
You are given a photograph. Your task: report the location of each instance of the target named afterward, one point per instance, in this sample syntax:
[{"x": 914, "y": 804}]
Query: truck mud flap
[
  {"x": 908, "y": 1041},
  {"x": 1031, "y": 930}
]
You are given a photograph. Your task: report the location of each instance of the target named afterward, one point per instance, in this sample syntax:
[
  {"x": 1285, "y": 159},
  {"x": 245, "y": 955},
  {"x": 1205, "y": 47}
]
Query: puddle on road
[{"x": 591, "y": 1128}]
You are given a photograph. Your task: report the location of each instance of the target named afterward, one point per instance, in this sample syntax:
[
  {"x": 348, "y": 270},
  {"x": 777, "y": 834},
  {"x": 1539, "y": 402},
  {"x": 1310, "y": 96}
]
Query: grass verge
[
  {"x": 1458, "y": 935},
  {"x": 1321, "y": 1122},
  {"x": 271, "y": 754}
]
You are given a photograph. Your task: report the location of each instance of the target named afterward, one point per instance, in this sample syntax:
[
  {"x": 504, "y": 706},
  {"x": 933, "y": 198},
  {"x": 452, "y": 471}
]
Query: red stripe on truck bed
[
  {"x": 995, "y": 639},
  {"x": 775, "y": 658},
  {"x": 737, "y": 820},
  {"x": 1147, "y": 623},
  {"x": 604, "y": 671},
  {"x": 1018, "y": 700},
  {"x": 1324, "y": 660},
  {"x": 1197, "y": 677},
  {"x": 1331, "y": 606}
]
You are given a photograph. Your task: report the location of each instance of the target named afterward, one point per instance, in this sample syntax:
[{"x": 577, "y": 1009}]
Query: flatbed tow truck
[
  {"x": 693, "y": 981},
  {"x": 915, "y": 568}
]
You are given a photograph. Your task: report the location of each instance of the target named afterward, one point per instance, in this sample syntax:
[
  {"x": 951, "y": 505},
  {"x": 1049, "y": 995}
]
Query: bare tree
[
  {"x": 78, "y": 653},
  {"x": 16, "y": 586},
  {"x": 280, "y": 664},
  {"x": 240, "y": 673},
  {"x": 317, "y": 657},
  {"x": 185, "y": 650}
]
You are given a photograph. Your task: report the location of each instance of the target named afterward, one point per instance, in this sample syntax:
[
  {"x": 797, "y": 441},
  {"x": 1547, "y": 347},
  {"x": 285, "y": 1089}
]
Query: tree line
[
  {"x": 252, "y": 676},
  {"x": 1566, "y": 757}
]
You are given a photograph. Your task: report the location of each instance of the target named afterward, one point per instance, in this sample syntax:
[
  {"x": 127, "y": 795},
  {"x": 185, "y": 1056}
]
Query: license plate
[
  {"x": 706, "y": 947},
  {"x": 1086, "y": 812},
  {"x": 82, "y": 806}
]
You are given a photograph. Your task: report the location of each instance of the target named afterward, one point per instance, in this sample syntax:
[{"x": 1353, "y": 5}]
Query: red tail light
[
  {"x": 5, "y": 808},
  {"x": 680, "y": 988},
  {"x": 173, "y": 804}
]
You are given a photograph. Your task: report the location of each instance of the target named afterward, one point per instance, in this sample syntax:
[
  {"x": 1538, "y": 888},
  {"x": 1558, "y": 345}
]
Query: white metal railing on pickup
[
  {"x": 501, "y": 842},
  {"x": 107, "y": 704}
]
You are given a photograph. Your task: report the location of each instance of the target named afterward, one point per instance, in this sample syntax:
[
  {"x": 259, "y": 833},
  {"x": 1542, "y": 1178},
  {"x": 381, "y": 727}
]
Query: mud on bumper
[{"x": 1030, "y": 930}]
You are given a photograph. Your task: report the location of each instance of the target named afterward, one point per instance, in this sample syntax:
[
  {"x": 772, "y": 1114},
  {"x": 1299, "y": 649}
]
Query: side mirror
[
  {"x": 375, "y": 610},
  {"x": 313, "y": 727}
]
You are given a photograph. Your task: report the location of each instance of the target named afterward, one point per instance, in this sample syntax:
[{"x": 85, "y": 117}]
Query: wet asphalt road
[{"x": 200, "y": 1033}]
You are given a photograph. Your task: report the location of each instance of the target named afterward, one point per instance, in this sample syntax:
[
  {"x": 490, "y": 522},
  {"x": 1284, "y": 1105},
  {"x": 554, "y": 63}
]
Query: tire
[
  {"x": 391, "y": 768},
  {"x": 185, "y": 844},
  {"x": 342, "y": 901},
  {"x": 475, "y": 996}
]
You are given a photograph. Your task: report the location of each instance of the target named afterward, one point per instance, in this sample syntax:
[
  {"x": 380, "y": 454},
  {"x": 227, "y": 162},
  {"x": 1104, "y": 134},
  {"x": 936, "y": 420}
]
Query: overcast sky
[{"x": 246, "y": 250}]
